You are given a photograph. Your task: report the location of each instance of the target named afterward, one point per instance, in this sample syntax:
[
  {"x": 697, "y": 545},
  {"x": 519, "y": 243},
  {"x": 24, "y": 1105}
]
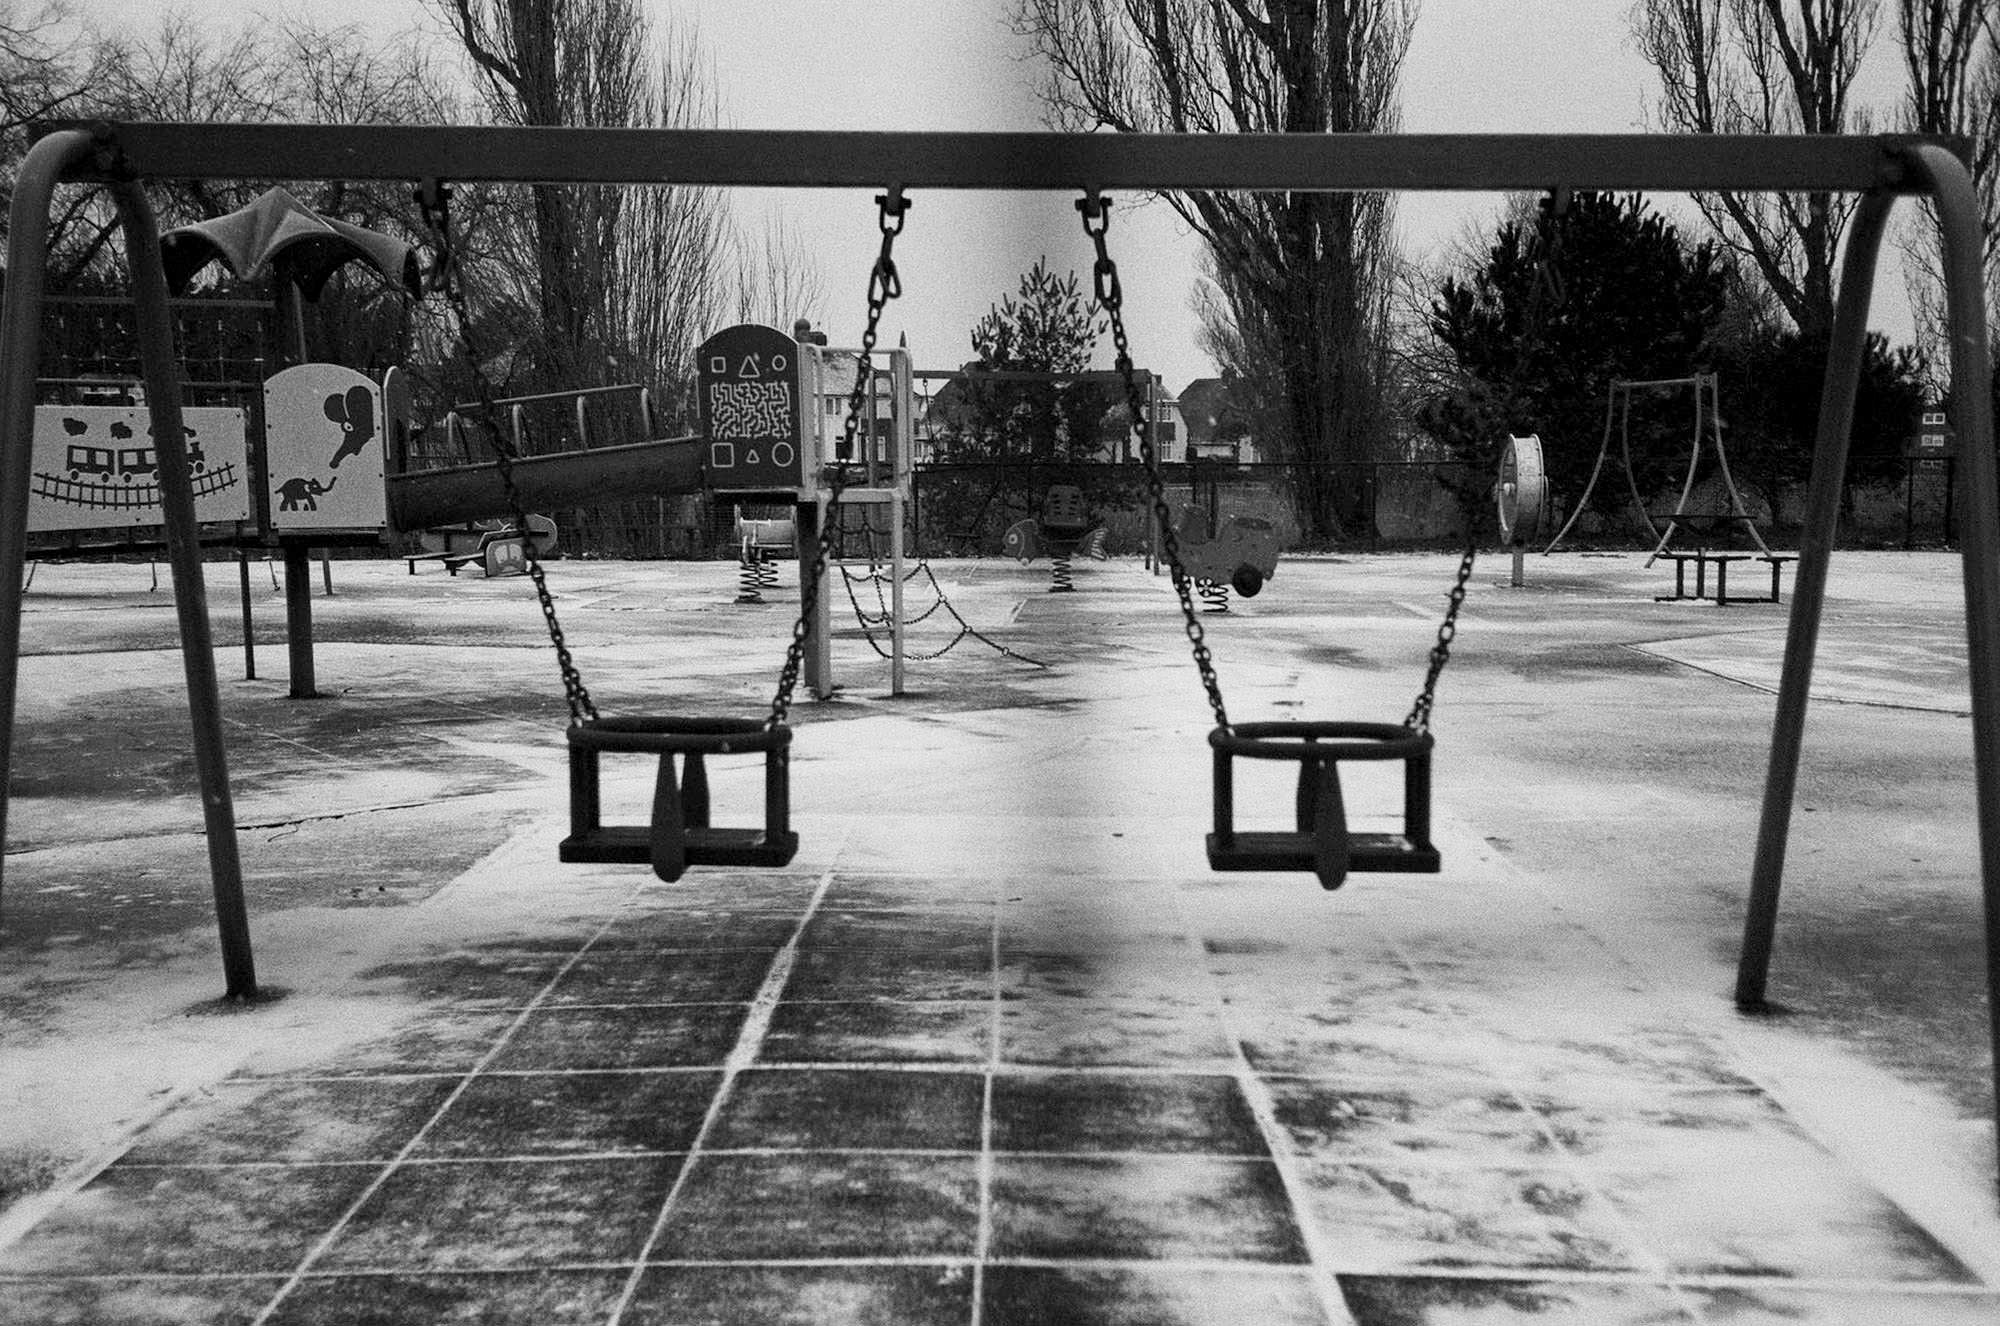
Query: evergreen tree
[
  {"x": 1027, "y": 433},
  {"x": 1534, "y": 344},
  {"x": 1046, "y": 327}
]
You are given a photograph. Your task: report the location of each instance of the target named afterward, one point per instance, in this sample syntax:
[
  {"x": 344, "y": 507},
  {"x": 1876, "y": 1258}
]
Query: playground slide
[{"x": 424, "y": 499}]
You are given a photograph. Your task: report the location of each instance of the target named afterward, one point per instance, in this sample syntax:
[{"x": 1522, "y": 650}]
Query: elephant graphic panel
[
  {"x": 324, "y": 449},
  {"x": 95, "y": 467}
]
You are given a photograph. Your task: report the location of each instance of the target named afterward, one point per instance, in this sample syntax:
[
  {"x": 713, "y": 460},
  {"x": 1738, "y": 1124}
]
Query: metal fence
[{"x": 964, "y": 511}]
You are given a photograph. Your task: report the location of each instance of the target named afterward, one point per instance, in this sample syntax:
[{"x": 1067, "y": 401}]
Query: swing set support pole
[
  {"x": 1950, "y": 187},
  {"x": 1822, "y": 514},
  {"x": 20, "y": 337}
]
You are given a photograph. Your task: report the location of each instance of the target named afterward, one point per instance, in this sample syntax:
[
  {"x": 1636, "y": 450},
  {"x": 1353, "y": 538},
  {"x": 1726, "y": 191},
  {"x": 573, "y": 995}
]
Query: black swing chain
[
  {"x": 884, "y": 284},
  {"x": 1547, "y": 287},
  {"x": 433, "y": 198},
  {"x": 1419, "y": 718},
  {"x": 1096, "y": 212}
]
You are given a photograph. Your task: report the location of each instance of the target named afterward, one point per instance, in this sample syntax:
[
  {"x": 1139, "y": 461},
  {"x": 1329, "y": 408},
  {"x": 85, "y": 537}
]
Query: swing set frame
[{"x": 1879, "y": 169}]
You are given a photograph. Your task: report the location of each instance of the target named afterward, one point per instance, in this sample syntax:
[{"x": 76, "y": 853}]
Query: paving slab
[{"x": 996, "y": 1046}]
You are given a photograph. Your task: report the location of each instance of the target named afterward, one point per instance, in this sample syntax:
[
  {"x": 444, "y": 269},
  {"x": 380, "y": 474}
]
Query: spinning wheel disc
[{"x": 1522, "y": 492}]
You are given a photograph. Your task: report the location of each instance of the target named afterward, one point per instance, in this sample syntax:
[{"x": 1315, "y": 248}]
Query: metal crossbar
[
  {"x": 789, "y": 158},
  {"x": 1879, "y": 168}
]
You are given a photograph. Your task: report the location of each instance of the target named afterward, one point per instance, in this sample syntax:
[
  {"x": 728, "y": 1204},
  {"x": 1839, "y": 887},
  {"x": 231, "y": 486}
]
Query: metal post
[
  {"x": 818, "y": 657},
  {"x": 20, "y": 355},
  {"x": 1836, "y": 420},
  {"x": 249, "y": 639},
  {"x": 298, "y": 620},
  {"x": 1909, "y": 504},
  {"x": 163, "y": 401},
  {"x": 1972, "y": 408},
  {"x": 896, "y": 590},
  {"x": 902, "y": 445}
]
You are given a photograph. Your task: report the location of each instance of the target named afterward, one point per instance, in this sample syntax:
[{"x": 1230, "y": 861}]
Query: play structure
[
  {"x": 318, "y": 460},
  {"x": 1521, "y": 495},
  {"x": 1225, "y": 552},
  {"x": 1705, "y": 435},
  {"x": 1879, "y": 170},
  {"x": 497, "y": 547},
  {"x": 769, "y": 438},
  {"x": 1063, "y": 529},
  {"x": 758, "y": 542}
]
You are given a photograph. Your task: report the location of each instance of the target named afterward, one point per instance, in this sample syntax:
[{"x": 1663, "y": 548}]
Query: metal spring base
[
  {"x": 755, "y": 573},
  {"x": 1060, "y": 581},
  {"x": 1321, "y": 842},
  {"x": 749, "y": 584},
  {"x": 1214, "y": 595},
  {"x": 679, "y": 834}
]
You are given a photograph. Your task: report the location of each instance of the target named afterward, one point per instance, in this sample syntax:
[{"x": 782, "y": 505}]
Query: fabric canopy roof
[{"x": 280, "y": 233}]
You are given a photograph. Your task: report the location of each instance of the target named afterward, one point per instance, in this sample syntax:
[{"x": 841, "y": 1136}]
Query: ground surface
[{"x": 996, "y": 1047}]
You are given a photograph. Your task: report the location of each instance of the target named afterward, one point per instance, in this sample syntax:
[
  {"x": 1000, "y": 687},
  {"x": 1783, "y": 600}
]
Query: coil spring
[
  {"x": 1059, "y": 578},
  {"x": 750, "y": 580},
  {"x": 1214, "y": 595}
]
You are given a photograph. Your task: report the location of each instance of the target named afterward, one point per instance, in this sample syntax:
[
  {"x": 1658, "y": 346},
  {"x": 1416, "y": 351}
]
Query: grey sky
[{"x": 1473, "y": 66}]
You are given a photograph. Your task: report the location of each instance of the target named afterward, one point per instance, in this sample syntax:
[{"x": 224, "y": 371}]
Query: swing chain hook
[
  {"x": 433, "y": 199},
  {"x": 884, "y": 284},
  {"x": 1096, "y": 212}
]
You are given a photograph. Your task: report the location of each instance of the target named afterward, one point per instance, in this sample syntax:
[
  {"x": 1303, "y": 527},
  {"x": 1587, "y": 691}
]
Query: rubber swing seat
[
  {"x": 1320, "y": 842},
  {"x": 680, "y": 833}
]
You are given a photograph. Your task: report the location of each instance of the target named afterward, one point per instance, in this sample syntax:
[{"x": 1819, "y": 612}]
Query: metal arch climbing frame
[
  {"x": 1708, "y": 390},
  {"x": 1881, "y": 168}
]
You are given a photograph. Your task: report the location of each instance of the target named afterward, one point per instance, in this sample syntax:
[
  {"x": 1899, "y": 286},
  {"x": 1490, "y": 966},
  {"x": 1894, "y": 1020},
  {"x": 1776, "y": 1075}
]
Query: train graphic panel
[{"x": 95, "y": 467}]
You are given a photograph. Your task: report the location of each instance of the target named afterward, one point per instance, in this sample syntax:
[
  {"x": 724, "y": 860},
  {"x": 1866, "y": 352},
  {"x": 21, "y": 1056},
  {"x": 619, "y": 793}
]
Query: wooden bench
[{"x": 1703, "y": 558}]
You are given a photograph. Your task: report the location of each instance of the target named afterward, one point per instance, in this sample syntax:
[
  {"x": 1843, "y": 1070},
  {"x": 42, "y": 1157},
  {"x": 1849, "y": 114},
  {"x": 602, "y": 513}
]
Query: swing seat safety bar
[
  {"x": 1321, "y": 842},
  {"x": 680, "y": 834}
]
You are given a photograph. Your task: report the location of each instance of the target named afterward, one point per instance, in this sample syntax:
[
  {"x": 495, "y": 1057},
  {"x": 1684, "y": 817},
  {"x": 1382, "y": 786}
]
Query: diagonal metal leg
[
  {"x": 1979, "y": 495},
  {"x": 1836, "y": 421},
  {"x": 20, "y": 347},
  {"x": 163, "y": 401}
]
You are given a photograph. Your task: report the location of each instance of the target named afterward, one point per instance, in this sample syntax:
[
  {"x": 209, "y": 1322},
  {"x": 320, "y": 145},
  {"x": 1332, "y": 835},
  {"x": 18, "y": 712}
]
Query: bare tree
[
  {"x": 563, "y": 62},
  {"x": 1951, "y": 58},
  {"x": 45, "y": 72},
  {"x": 777, "y": 280},
  {"x": 1301, "y": 280},
  {"x": 1766, "y": 67},
  {"x": 624, "y": 283}
]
